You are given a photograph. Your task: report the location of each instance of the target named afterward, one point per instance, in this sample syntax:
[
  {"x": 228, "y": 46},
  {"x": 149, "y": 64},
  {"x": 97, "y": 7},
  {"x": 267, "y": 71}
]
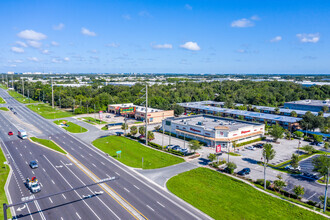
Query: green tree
[
  {"x": 231, "y": 167},
  {"x": 178, "y": 109},
  {"x": 309, "y": 149},
  {"x": 318, "y": 138},
  {"x": 321, "y": 198},
  {"x": 212, "y": 157},
  {"x": 268, "y": 153},
  {"x": 294, "y": 161},
  {"x": 276, "y": 132},
  {"x": 298, "y": 134},
  {"x": 322, "y": 166},
  {"x": 194, "y": 145},
  {"x": 325, "y": 108},
  {"x": 133, "y": 130},
  {"x": 124, "y": 126},
  {"x": 279, "y": 183},
  {"x": 320, "y": 113},
  {"x": 293, "y": 114},
  {"x": 141, "y": 131},
  {"x": 151, "y": 135},
  {"x": 157, "y": 127},
  {"x": 277, "y": 111},
  {"x": 299, "y": 191}
]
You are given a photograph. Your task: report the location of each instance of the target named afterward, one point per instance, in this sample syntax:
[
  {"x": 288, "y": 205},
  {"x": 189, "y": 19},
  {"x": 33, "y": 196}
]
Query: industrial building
[
  {"x": 308, "y": 105},
  {"x": 139, "y": 112},
  {"x": 214, "y": 130}
]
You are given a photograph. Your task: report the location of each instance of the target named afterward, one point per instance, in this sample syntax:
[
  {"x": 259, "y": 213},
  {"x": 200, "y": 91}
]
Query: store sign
[
  {"x": 218, "y": 148},
  {"x": 243, "y": 132},
  {"x": 207, "y": 134},
  {"x": 192, "y": 129},
  {"x": 127, "y": 110}
]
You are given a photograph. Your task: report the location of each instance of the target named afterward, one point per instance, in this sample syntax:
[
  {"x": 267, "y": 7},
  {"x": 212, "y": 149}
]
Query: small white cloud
[
  {"x": 12, "y": 65},
  {"x": 17, "y": 49},
  {"x": 45, "y": 51},
  {"x": 35, "y": 59},
  {"x": 112, "y": 45},
  {"x": 144, "y": 14},
  {"x": 54, "y": 43},
  {"x": 255, "y": 18},
  {"x": 54, "y": 60},
  {"x": 309, "y": 38},
  {"x": 17, "y": 61},
  {"x": 87, "y": 32},
  {"x": 20, "y": 43},
  {"x": 58, "y": 27},
  {"x": 242, "y": 23},
  {"x": 276, "y": 39},
  {"x": 241, "y": 51},
  {"x": 94, "y": 57},
  {"x": 188, "y": 7},
  {"x": 66, "y": 59},
  {"x": 162, "y": 46},
  {"x": 190, "y": 46},
  {"x": 35, "y": 44},
  {"x": 126, "y": 17},
  {"x": 31, "y": 35},
  {"x": 93, "y": 51}
]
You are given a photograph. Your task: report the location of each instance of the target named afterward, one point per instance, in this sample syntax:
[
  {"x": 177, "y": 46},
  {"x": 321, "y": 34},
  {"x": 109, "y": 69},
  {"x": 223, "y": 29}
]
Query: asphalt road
[{"x": 140, "y": 195}]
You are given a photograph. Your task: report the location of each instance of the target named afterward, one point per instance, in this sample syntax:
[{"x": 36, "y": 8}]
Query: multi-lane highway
[{"x": 129, "y": 196}]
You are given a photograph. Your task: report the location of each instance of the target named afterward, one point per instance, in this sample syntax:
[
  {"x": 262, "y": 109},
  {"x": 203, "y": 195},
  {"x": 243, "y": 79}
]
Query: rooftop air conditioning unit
[{"x": 200, "y": 123}]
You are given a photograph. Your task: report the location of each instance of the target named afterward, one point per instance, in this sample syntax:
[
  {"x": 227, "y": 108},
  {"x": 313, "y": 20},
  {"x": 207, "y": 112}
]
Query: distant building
[
  {"x": 214, "y": 130},
  {"x": 308, "y": 105}
]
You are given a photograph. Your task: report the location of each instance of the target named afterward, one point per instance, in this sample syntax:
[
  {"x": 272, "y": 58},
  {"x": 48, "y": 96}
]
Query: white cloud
[
  {"x": 190, "y": 46},
  {"x": 20, "y": 43},
  {"x": 31, "y": 35},
  {"x": 54, "y": 43},
  {"x": 276, "y": 39},
  {"x": 93, "y": 51},
  {"x": 17, "y": 49},
  {"x": 188, "y": 7},
  {"x": 162, "y": 46},
  {"x": 58, "y": 27},
  {"x": 126, "y": 17},
  {"x": 255, "y": 18},
  {"x": 35, "y": 44},
  {"x": 35, "y": 59},
  {"x": 15, "y": 61},
  {"x": 309, "y": 38},
  {"x": 112, "y": 45},
  {"x": 45, "y": 51},
  {"x": 54, "y": 60},
  {"x": 87, "y": 32},
  {"x": 94, "y": 57},
  {"x": 66, "y": 59},
  {"x": 241, "y": 51},
  {"x": 242, "y": 23},
  {"x": 145, "y": 14}
]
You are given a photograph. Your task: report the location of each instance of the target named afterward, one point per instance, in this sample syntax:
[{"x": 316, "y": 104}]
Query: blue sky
[{"x": 220, "y": 36}]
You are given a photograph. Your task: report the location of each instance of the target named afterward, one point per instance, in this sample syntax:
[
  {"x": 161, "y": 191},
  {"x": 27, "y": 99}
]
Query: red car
[{"x": 10, "y": 133}]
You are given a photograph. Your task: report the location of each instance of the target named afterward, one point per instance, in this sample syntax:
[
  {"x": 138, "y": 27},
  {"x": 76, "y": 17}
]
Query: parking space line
[{"x": 311, "y": 196}]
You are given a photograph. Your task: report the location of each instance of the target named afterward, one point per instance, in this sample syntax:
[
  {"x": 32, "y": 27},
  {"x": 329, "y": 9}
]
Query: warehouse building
[
  {"x": 214, "y": 130},
  {"x": 308, "y": 105}
]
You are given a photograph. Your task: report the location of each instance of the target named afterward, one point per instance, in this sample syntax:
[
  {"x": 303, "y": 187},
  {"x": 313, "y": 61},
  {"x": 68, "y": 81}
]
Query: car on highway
[
  {"x": 245, "y": 171},
  {"x": 250, "y": 148},
  {"x": 33, "y": 164},
  {"x": 10, "y": 133}
]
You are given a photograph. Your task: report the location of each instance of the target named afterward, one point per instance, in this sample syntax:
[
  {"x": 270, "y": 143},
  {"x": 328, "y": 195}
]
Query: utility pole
[
  {"x": 52, "y": 94},
  {"x": 60, "y": 100},
  {"x": 94, "y": 113},
  {"x": 74, "y": 102},
  {"x": 163, "y": 132},
  {"x": 146, "y": 118},
  {"x": 326, "y": 192},
  {"x": 29, "y": 95},
  {"x": 7, "y": 81},
  {"x": 12, "y": 81},
  {"x": 22, "y": 87}
]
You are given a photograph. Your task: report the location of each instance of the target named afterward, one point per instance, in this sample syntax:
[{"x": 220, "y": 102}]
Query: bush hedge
[{"x": 250, "y": 142}]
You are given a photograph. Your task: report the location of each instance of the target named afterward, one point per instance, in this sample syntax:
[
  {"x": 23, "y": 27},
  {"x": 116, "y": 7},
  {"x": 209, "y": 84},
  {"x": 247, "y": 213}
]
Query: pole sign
[
  {"x": 118, "y": 152},
  {"x": 218, "y": 148}
]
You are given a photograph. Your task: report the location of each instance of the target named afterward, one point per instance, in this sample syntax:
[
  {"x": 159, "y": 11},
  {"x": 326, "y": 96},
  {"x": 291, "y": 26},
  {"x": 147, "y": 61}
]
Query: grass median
[
  {"x": 3, "y": 86},
  {"x": 223, "y": 197},
  {"x": 48, "y": 112},
  {"x": 93, "y": 121},
  {"x": 4, "y": 109},
  {"x": 133, "y": 152},
  {"x": 48, "y": 143},
  {"x": 2, "y": 101},
  {"x": 4, "y": 171},
  {"x": 19, "y": 97},
  {"x": 71, "y": 127}
]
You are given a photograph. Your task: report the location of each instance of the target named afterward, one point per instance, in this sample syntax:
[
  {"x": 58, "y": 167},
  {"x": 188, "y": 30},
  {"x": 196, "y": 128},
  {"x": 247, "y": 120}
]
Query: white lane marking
[
  {"x": 21, "y": 155},
  {"x": 117, "y": 173},
  {"x": 29, "y": 211},
  {"x": 32, "y": 172},
  {"x": 50, "y": 200},
  {"x": 30, "y": 153},
  {"x": 78, "y": 215},
  {"x": 24, "y": 146},
  {"x": 90, "y": 155},
  {"x": 37, "y": 161},
  {"x": 80, "y": 147},
  {"x": 150, "y": 208},
  {"x": 39, "y": 210},
  {"x": 94, "y": 165},
  {"x": 61, "y": 218},
  {"x": 103, "y": 163},
  {"x": 71, "y": 142},
  {"x": 82, "y": 156},
  {"x": 126, "y": 189},
  {"x": 72, "y": 148},
  {"x": 53, "y": 182},
  {"x": 136, "y": 187},
  {"x": 43, "y": 169},
  {"x": 63, "y": 196},
  {"x": 161, "y": 204},
  {"x": 26, "y": 162},
  {"x": 311, "y": 196}
]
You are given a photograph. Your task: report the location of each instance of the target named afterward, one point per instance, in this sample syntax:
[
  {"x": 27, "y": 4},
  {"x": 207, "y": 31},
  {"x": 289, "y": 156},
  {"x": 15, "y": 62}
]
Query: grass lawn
[
  {"x": 105, "y": 128},
  {"x": 93, "y": 121},
  {"x": 3, "y": 86},
  {"x": 4, "y": 171},
  {"x": 223, "y": 197},
  {"x": 234, "y": 154},
  {"x": 4, "y": 109},
  {"x": 48, "y": 112},
  {"x": 132, "y": 153},
  {"x": 72, "y": 127},
  {"x": 20, "y": 98},
  {"x": 2, "y": 101},
  {"x": 48, "y": 143}
]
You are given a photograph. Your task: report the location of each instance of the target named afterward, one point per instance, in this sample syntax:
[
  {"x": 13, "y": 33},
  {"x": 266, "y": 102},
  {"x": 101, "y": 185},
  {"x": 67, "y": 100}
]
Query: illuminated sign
[
  {"x": 127, "y": 110},
  {"x": 192, "y": 129},
  {"x": 243, "y": 132}
]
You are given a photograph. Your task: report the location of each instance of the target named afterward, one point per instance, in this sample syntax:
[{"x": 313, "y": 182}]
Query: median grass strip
[
  {"x": 2, "y": 101},
  {"x": 132, "y": 153},
  {"x": 4, "y": 109},
  {"x": 48, "y": 112},
  {"x": 223, "y": 197},
  {"x": 3, "y": 86},
  {"x": 48, "y": 143},
  {"x": 4, "y": 171},
  {"x": 71, "y": 127},
  {"x": 19, "y": 97},
  {"x": 93, "y": 121}
]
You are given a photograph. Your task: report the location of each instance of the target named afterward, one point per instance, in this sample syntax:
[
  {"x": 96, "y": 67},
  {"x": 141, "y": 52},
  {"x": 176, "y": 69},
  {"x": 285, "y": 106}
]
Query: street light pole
[
  {"x": 52, "y": 94},
  {"x": 146, "y": 118},
  {"x": 326, "y": 192}
]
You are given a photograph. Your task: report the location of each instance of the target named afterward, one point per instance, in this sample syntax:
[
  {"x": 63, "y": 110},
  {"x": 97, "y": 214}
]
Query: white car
[
  {"x": 250, "y": 148},
  {"x": 289, "y": 167}
]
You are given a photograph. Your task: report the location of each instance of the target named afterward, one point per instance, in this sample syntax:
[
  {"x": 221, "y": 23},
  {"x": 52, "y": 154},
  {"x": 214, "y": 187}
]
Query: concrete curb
[{"x": 41, "y": 145}]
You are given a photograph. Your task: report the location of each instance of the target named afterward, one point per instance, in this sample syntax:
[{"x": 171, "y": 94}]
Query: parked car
[
  {"x": 33, "y": 164},
  {"x": 176, "y": 147},
  {"x": 320, "y": 144},
  {"x": 260, "y": 145},
  {"x": 108, "y": 116},
  {"x": 250, "y": 148},
  {"x": 184, "y": 151},
  {"x": 289, "y": 167},
  {"x": 10, "y": 133},
  {"x": 245, "y": 171},
  {"x": 169, "y": 146}
]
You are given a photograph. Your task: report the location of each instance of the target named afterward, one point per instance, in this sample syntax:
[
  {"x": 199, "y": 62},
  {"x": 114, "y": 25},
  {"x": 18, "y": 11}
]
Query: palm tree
[{"x": 268, "y": 153}]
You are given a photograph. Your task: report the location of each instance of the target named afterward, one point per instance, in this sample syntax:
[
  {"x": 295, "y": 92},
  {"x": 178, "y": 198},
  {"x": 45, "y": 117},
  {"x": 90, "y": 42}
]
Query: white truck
[
  {"x": 33, "y": 185},
  {"x": 22, "y": 134}
]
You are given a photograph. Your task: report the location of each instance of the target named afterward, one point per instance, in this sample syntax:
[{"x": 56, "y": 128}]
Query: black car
[
  {"x": 260, "y": 145},
  {"x": 245, "y": 171}
]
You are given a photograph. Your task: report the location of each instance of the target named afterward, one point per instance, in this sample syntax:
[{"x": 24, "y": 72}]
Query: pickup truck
[{"x": 33, "y": 185}]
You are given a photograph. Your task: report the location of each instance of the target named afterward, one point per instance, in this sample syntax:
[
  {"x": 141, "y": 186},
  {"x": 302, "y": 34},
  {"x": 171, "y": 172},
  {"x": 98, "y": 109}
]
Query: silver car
[{"x": 34, "y": 164}]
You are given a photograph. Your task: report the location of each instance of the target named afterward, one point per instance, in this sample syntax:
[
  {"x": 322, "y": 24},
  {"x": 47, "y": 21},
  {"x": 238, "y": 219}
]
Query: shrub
[
  {"x": 231, "y": 167},
  {"x": 261, "y": 182},
  {"x": 250, "y": 142}
]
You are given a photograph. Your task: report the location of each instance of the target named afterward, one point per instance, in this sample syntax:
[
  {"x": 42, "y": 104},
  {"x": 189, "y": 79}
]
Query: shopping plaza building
[{"x": 214, "y": 130}]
